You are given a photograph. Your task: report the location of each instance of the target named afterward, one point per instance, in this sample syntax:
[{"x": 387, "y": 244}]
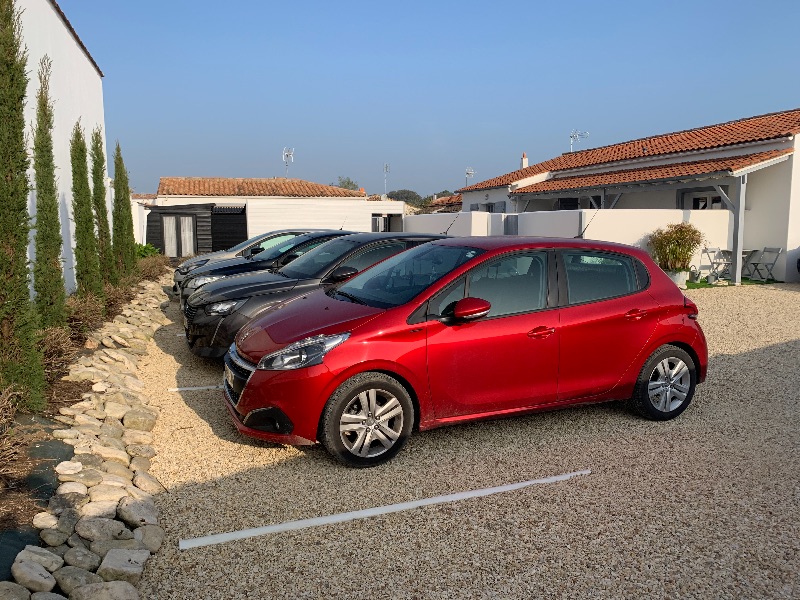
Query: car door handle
[
  {"x": 541, "y": 332},
  {"x": 635, "y": 314}
]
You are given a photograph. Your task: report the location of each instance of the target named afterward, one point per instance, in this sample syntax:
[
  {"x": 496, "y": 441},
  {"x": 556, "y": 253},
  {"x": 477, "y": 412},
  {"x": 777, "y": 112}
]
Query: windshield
[
  {"x": 316, "y": 262},
  {"x": 400, "y": 278},
  {"x": 280, "y": 249}
]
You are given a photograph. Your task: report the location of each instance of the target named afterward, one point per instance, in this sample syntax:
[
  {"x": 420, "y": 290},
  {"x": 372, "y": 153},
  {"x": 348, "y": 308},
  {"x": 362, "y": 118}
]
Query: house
[
  {"x": 736, "y": 181},
  {"x": 446, "y": 204},
  {"x": 76, "y": 89},
  {"x": 201, "y": 214}
]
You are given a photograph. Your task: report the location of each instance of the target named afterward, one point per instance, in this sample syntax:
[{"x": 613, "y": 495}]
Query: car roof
[
  {"x": 392, "y": 235},
  {"x": 514, "y": 242}
]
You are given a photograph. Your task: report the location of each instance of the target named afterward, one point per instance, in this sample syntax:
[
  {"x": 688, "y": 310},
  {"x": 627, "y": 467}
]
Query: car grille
[
  {"x": 241, "y": 371},
  {"x": 189, "y": 311}
]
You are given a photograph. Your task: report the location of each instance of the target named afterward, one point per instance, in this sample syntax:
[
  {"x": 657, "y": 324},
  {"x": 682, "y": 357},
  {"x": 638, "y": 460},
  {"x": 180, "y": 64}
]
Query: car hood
[
  {"x": 308, "y": 315},
  {"x": 219, "y": 264},
  {"x": 242, "y": 286}
]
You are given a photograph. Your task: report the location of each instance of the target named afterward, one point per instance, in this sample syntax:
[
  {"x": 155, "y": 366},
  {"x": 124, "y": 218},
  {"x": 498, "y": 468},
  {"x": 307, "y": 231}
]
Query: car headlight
[
  {"x": 199, "y": 281},
  {"x": 223, "y": 308},
  {"x": 304, "y": 353}
]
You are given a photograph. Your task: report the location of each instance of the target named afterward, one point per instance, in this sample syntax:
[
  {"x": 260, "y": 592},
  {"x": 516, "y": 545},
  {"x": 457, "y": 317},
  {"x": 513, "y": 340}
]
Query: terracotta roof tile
[
  {"x": 447, "y": 200},
  {"x": 728, "y": 165},
  {"x": 751, "y": 129},
  {"x": 226, "y": 186},
  {"x": 144, "y": 196}
]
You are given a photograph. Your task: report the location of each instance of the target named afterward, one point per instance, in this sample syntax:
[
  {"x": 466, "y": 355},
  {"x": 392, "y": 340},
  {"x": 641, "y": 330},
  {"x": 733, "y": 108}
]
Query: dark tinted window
[
  {"x": 511, "y": 284},
  {"x": 313, "y": 264},
  {"x": 596, "y": 275},
  {"x": 373, "y": 255}
]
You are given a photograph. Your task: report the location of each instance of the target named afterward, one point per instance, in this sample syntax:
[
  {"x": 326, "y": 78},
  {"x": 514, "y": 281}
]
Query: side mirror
[
  {"x": 340, "y": 274},
  {"x": 469, "y": 309},
  {"x": 256, "y": 250}
]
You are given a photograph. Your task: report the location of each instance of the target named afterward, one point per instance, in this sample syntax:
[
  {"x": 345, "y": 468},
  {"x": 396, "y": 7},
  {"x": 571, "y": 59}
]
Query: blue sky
[{"x": 201, "y": 88}]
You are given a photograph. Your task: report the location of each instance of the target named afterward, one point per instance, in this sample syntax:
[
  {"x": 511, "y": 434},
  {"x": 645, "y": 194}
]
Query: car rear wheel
[
  {"x": 666, "y": 384},
  {"x": 367, "y": 420}
]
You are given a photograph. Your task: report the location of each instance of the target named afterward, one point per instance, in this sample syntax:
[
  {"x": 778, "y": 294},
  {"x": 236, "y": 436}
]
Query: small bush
[
  {"x": 58, "y": 351},
  {"x": 117, "y": 296},
  {"x": 153, "y": 267},
  {"x": 674, "y": 246},
  {"x": 84, "y": 314},
  {"x": 145, "y": 250}
]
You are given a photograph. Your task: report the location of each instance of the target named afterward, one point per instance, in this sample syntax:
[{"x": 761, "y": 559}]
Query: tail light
[{"x": 691, "y": 308}]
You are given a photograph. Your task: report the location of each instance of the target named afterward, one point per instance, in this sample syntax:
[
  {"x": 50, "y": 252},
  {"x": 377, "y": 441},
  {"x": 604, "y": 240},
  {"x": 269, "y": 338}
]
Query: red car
[{"x": 463, "y": 329}]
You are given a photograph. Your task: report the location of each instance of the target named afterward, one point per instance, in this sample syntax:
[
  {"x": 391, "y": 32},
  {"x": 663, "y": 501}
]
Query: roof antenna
[
  {"x": 577, "y": 136},
  {"x": 451, "y": 224},
  {"x": 580, "y": 235},
  {"x": 468, "y": 172},
  {"x": 288, "y": 157},
  {"x": 343, "y": 222}
]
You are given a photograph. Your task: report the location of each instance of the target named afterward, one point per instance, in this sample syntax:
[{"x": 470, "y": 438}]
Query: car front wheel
[
  {"x": 367, "y": 420},
  {"x": 666, "y": 384}
]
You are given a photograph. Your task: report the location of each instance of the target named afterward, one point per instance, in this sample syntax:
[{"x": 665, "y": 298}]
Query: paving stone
[
  {"x": 107, "y": 493},
  {"x": 67, "y": 520},
  {"x": 36, "y": 554},
  {"x": 13, "y": 591},
  {"x": 105, "y": 509},
  {"x": 83, "y": 558},
  {"x": 33, "y": 576},
  {"x": 53, "y": 537},
  {"x": 152, "y": 536},
  {"x": 69, "y": 578},
  {"x": 137, "y": 513},
  {"x": 111, "y": 590},
  {"x": 45, "y": 520},
  {"x": 123, "y": 565},
  {"x": 68, "y": 468},
  {"x": 102, "y": 529}
]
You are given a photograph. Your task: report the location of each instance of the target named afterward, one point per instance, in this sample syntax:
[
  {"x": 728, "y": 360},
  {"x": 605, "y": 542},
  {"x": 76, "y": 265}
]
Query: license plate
[{"x": 228, "y": 376}]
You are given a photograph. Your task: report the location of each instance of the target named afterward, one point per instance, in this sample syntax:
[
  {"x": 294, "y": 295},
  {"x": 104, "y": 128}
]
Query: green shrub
[
  {"x": 674, "y": 246},
  {"x": 145, "y": 250}
]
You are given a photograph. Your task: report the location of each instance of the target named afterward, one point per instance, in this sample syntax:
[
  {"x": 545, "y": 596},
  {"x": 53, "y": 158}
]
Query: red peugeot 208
[{"x": 463, "y": 329}]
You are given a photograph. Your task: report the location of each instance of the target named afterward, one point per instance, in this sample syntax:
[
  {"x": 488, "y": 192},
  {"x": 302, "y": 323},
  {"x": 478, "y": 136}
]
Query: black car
[
  {"x": 254, "y": 245},
  {"x": 269, "y": 259},
  {"x": 214, "y": 314}
]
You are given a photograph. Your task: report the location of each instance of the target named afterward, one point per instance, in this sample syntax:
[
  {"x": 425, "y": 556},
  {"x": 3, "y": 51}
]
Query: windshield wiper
[{"x": 350, "y": 297}]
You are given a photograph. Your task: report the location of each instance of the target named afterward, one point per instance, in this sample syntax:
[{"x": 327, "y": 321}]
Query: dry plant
[
  {"x": 84, "y": 314},
  {"x": 58, "y": 351},
  {"x": 117, "y": 296},
  {"x": 8, "y": 446},
  {"x": 153, "y": 267}
]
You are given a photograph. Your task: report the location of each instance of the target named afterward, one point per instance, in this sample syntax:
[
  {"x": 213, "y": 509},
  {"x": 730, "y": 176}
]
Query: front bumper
[{"x": 210, "y": 336}]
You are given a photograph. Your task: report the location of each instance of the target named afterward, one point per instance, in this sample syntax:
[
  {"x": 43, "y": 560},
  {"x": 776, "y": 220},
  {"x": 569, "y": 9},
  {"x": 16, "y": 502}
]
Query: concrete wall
[
  {"x": 76, "y": 89},
  {"x": 558, "y": 223},
  {"x": 792, "y": 247},
  {"x": 456, "y": 224}
]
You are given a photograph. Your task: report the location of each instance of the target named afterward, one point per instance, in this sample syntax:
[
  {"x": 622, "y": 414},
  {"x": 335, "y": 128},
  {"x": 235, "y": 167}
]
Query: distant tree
[
  {"x": 48, "y": 278},
  {"x": 124, "y": 242},
  {"x": 346, "y": 183},
  {"x": 108, "y": 267},
  {"x": 407, "y": 196},
  {"x": 87, "y": 262},
  {"x": 20, "y": 357}
]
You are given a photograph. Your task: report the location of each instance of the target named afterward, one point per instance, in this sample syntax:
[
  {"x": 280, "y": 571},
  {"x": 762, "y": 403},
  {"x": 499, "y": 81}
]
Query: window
[
  {"x": 513, "y": 284},
  {"x": 596, "y": 275},
  {"x": 274, "y": 241},
  {"x": 373, "y": 255}
]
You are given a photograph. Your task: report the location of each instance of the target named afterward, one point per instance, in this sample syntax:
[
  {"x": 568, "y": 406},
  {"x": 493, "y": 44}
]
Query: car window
[
  {"x": 403, "y": 276},
  {"x": 513, "y": 284},
  {"x": 597, "y": 275},
  {"x": 313, "y": 264},
  {"x": 443, "y": 303},
  {"x": 295, "y": 245},
  {"x": 373, "y": 255},
  {"x": 274, "y": 241}
]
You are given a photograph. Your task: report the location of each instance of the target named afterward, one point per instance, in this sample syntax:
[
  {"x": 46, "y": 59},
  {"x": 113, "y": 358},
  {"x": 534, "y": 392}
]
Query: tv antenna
[
  {"x": 288, "y": 157},
  {"x": 470, "y": 172},
  {"x": 386, "y": 170},
  {"x": 577, "y": 136}
]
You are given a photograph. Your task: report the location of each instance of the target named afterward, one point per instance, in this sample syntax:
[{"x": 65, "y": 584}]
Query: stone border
[{"x": 101, "y": 526}]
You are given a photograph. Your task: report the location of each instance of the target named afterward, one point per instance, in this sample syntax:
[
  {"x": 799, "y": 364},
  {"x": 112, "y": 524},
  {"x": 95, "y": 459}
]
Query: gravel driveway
[{"x": 705, "y": 506}]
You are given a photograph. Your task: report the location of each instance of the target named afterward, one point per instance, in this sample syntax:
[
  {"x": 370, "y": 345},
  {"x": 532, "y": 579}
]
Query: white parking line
[
  {"x": 221, "y": 538},
  {"x": 194, "y": 389},
  {"x": 180, "y": 334}
]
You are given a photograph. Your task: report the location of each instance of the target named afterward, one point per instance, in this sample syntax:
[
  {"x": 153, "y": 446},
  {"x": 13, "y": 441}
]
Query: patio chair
[
  {"x": 763, "y": 265},
  {"x": 747, "y": 262},
  {"x": 720, "y": 261}
]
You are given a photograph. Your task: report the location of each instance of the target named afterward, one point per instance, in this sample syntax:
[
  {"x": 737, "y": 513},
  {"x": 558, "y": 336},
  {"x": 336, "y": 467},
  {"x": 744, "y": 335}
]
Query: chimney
[{"x": 523, "y": 164}]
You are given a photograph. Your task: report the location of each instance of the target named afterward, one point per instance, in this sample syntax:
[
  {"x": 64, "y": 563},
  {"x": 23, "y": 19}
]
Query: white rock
[
  {"x": 112, "y": 590},
  {"x": 107, "y": 493},
  {"x": 13, "y": 591},
  {"x": 116, "y": 410},
  {"x": 33, "y": 576},
  {"x": 36, "y": 554},
  {"x": 114, "y": 454},
  {"x": 105, "y": 509},
  {"x": 45, "y": 520},
  {"x": 137, "y": 513},
  {"x": 123, "y": 565},
  {"x": 70, "y": 487},
  {"x": 68, "y": 468}
]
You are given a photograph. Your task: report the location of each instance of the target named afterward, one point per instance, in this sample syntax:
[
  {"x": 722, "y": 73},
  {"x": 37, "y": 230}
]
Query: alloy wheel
[{"x": 371, "y": 423}]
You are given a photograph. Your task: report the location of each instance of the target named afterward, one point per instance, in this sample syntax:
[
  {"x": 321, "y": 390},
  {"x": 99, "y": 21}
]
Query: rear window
[{"x": 596, "y": 275}]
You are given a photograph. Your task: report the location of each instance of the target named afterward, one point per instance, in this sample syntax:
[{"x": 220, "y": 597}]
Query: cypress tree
[
  {"x": 48, "y": 278},
  {"x": 124, "y": 241},
  {"x": 20, "y": 358},
  {"x": 87, "y": 263},
  {"x": 107, "y": 265}
]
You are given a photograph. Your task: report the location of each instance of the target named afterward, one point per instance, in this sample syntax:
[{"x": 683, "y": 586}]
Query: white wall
[
  {"x": 652, "y": 199},
  {"x": 456, "y": 224},
  {"x": 792, "y": 248},
  {"x": 483, "y": 197},
  {"x": 76, "y": 89},
  {"x": 558, "y": 223}
]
